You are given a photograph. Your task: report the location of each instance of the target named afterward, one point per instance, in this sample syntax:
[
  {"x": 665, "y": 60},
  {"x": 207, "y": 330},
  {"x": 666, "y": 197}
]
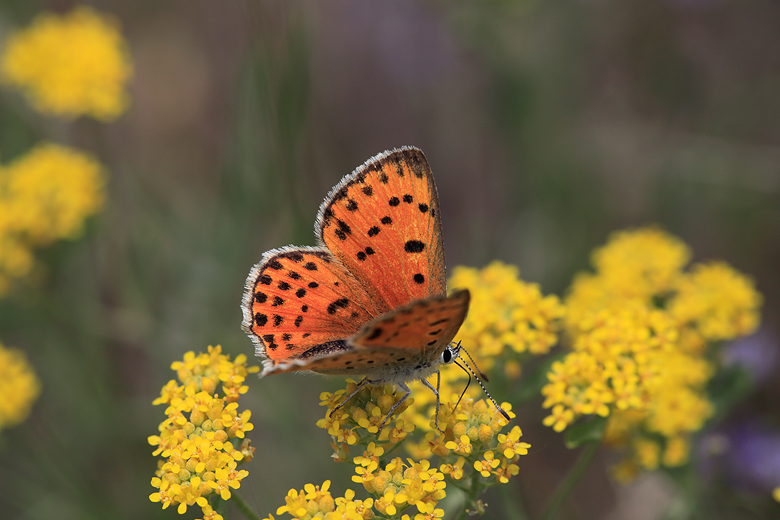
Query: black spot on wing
[
  {"x": 336, "y": 305},
  {"x": 414, "y": 246}
]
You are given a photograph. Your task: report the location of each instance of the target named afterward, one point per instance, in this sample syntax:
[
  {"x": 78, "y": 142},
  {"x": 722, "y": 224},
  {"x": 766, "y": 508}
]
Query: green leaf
[{"x": 585, "y": 432}]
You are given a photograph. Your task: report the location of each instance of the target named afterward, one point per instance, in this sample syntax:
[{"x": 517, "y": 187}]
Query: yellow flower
[
  {"x": 509, "y": 444},
  {"x": 487, "y": 465},
  {"x": 634, "y": 264},
  {"x": 461, "y": 448},
  {"x": 776, "y": 494},
  {"x": 19, "y": 387},
  {"x": 70, "y": 65},
  {"x": 197, "y": 439},
  {"x": 45, "y": 195},
  {"x": 639, "y": 328},
  {"x": 719, "y": 302},
  {"x": 505, "y": 312},
  {"x": 360, "y": 417}
]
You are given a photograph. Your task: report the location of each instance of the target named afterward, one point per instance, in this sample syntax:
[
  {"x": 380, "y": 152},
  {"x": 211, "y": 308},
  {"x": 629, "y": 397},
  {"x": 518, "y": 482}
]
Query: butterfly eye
[{"x": 448, "y": 356}]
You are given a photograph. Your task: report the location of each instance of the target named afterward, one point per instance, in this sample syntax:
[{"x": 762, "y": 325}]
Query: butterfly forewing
[
  {"x": 299, "y": 298},
  {"x": 382, "y": 222}
]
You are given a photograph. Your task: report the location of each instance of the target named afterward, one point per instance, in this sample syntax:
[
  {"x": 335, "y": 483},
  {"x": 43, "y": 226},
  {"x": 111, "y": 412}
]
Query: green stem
[
  {"x": 242, "y": 506},
  {"x": 471, "y": 497},
  {"x": 575, "y": 473}
]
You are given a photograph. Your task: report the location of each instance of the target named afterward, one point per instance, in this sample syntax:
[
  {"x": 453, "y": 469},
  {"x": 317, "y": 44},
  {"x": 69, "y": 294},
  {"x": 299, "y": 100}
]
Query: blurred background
[{"x": 547, "y": 125}]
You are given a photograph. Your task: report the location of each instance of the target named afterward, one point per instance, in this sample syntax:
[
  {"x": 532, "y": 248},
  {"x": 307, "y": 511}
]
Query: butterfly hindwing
[
  {"x": 425, "y": 326},
  {"x": 346, "y": 360},
  {"x": 299, "y": 298},
  {"x": 383, "y": 223}
]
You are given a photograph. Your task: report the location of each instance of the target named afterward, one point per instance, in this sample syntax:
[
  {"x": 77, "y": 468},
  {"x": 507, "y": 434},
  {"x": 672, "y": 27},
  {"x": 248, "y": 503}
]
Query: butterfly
[{"x": 371, "y": 298}]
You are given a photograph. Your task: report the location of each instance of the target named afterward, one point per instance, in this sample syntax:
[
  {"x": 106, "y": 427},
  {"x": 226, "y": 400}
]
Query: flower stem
[
  {"x": 573, "y": 476},
  {"x": 242, "y": 506},
  {"x": 472, "y": 493}
]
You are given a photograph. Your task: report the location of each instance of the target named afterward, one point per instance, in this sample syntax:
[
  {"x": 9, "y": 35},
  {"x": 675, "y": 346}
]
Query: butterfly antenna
[
  {"x": 468, "y": 373},
  {"x": 457, "y": 351}
]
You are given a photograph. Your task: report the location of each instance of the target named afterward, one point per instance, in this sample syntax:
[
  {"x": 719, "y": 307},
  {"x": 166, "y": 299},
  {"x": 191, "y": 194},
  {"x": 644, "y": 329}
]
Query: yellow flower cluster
[
  {"x": 508, "y": 319},
  {"x": 716, "y": 301},
  {"x": 316, "y": 502},
  {"x": 638, "y": 327},
  {"x": 198, "y": 439},
  {"x": 45, "y": 195},
  {"x": 472, "y": 449},
  {"x": 19, "y": 387},
  {"x": 401, "y": 484},
  {"x": 70, "y": 65},
  {"x": 359, "y": 419},
  {"x": 506, "y": 312}
]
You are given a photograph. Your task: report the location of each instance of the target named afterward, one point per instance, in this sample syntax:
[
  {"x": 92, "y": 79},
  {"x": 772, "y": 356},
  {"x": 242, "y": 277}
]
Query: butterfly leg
[
  {"x": 436, "y": 393},
  {"x": 363, "y": 382},
  {"x": 402, "y": 386}
]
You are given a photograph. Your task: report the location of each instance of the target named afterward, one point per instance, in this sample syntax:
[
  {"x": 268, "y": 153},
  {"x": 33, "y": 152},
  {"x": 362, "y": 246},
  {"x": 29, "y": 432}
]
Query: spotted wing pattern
[
  {"x": 427, "y": 326},
  {"x": 391, "y": 343},
  {"x": 383, "y": 223},
  {"x": 373, "y": 293},
  {"x": 299, "y": 298}
]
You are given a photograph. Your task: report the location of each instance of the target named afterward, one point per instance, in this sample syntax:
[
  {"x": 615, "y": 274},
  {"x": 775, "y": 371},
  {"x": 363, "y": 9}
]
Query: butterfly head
[{"x": 451, "y": 354}]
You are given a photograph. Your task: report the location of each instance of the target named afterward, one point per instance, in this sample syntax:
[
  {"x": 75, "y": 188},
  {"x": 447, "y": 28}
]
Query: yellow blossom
[
  {"x": 506, "y": 312},
  {"x": 45, "y": 195},
  {"x": 70, "y": 65},
  {"x": 639, "y": 327},
  {"x": 197, "y": 439},
  {"x": 19, "y": 387},
  {"x": 719, "y": 302}
]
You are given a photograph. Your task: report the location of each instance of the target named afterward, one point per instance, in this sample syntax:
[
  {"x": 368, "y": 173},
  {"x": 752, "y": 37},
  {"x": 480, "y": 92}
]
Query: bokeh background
[{"x": 548, "y": 124}]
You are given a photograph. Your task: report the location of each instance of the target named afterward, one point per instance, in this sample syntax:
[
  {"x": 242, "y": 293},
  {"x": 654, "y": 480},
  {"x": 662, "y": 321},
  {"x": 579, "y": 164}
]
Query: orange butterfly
[{"x": 371, "y": 298}]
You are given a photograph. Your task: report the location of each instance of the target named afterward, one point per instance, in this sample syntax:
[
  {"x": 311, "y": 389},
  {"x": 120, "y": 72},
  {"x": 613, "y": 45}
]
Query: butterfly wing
[
  {"x": 342, "y": 359},
  {"x": 381, "y": 248},
  {"x": 300, "y": 302},
  {"x": 425, "y": 326},
  {"x": 397, "y": 345},
  {"x": 382, "y": 222}
]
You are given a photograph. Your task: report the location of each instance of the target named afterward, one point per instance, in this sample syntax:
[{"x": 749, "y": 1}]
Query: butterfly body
[{"x": 371, "y": 298}]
